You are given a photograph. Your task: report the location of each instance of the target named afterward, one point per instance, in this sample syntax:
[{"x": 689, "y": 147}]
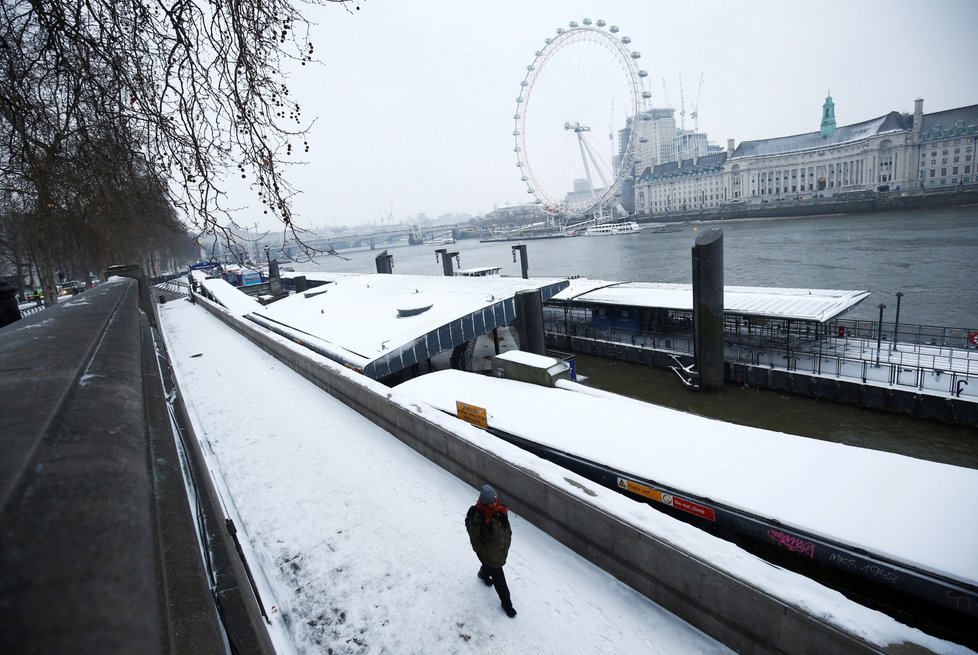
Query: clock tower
[{"x": 828, "y": 118}]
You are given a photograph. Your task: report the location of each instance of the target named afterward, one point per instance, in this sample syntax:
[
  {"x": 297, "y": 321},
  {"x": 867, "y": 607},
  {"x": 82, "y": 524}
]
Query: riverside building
[{"x": 893, "y": 152}]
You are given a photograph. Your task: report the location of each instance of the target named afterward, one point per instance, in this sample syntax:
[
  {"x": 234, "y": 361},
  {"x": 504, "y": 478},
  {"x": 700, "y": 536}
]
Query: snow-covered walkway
[{"x": 360, "y": 539}]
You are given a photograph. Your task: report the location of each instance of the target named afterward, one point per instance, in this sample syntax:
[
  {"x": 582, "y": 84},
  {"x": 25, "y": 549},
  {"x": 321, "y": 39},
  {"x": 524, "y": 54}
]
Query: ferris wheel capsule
[
  {"x": 643, "y": 73},
  {"x": 600, "y": 23},
  {"x": 587, "y": 21},
  {"x": 626, "y": 40},
  {"x": 613, "y": 29},
  {"x": 560, "y": 30},
  {"x": 636, "y": 54},
  {"x": 573, "y": 23}
]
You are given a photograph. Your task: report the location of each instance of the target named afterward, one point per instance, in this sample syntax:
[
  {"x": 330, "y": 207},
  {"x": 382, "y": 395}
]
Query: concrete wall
[
  {"x": 100, "y": 552},
  {"x": 731, "y": 610}
]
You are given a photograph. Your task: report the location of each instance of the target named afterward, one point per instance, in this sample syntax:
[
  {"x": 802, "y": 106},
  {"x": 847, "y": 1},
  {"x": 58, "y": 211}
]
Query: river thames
[{"x": 932, "y": 257}]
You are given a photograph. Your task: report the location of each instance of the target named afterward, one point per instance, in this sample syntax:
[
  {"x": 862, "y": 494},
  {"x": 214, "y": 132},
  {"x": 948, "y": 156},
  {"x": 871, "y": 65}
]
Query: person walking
[{"x": 490, "y": 534}]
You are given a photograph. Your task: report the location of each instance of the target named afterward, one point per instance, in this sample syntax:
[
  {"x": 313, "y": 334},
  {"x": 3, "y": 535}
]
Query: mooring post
[
  {"x": 446, "y": 263},
  {"x": 529, "y": 321},
  {"x": 523, "y": 263},
  {"x": 708, "y": 309},
  {"x": 385, "y": 263}
]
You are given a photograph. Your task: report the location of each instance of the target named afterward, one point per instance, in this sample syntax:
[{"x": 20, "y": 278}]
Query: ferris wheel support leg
[
  {"x": 595, "y": 160},
  {"x": 587, "y": 168}
]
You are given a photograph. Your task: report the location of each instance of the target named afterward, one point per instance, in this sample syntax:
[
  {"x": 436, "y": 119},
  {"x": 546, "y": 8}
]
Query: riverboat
[{"x": 607, "y": 229}]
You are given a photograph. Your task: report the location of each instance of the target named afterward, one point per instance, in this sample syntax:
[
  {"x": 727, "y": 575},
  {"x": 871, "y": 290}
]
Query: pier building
[
  {"x": 794, "y": 340},
  {"x": 384, "y": 324}
]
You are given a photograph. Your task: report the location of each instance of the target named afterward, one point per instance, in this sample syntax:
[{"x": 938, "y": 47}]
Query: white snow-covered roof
[
  {"x": 236, "y": 301},
  {"x": 905, "y": 509},
  {"x": 795, "y": 304},
  {"x": 387, "y": 322},
  {"x": 528, "y": 359}
]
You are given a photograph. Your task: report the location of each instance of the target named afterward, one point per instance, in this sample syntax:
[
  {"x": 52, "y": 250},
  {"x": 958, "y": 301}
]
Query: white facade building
[
  {"x": 692, "y": 184},
  {"x": 689, "y": 145},
  {"x": 892, "y": 152}
]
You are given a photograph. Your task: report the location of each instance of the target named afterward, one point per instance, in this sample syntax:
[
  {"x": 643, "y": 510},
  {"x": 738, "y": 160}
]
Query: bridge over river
[{"x": 412, "y": 234}]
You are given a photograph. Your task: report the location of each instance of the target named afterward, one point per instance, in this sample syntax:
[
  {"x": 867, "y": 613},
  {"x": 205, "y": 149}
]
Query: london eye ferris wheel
[{"x": 574, "y": 132}]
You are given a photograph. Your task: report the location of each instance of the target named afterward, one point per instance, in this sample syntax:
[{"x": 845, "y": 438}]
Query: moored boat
[{"x": 606, "y": 229}]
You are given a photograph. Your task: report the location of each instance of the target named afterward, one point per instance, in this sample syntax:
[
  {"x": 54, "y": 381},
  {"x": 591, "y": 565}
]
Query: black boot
[
  {"x": 485, "y": 578},
  {"x": 508, "y": 608}
]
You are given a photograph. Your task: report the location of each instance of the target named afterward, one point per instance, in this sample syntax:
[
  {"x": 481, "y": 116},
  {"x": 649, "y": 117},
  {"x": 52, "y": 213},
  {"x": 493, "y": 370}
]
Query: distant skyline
[{"x": 414, "y": 100}]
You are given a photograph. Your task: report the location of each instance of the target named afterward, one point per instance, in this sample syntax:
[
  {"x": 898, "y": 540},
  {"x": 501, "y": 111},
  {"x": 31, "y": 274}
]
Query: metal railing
[{"x": 926, "y": 358}]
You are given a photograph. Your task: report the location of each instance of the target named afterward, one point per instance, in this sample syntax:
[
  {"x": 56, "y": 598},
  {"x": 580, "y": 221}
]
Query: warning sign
[
  {"x": 640, "y": 489},
  {"x": 667, "y": 499},
  {"x": 693, "y": 508},
  {"x": 472, "y": 413}
]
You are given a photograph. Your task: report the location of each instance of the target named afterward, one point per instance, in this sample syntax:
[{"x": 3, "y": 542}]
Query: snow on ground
[{"x": 359, "y": 541}]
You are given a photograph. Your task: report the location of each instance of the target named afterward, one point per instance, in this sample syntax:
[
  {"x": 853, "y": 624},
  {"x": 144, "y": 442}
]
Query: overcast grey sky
[{"x": 415, "y": 99}]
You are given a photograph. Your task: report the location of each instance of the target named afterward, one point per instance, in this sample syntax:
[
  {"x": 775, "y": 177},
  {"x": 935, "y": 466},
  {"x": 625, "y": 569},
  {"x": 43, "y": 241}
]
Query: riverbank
[{"x": 857, "y": 202}]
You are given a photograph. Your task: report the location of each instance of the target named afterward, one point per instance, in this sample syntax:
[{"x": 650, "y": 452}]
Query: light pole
[
  {"x": 879, "y": 335},
  {"x": 896, "y": 322}
]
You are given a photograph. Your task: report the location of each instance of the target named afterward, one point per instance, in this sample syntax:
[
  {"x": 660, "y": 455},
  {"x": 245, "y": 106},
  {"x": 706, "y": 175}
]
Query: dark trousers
[{"x": 495, "y": 573}]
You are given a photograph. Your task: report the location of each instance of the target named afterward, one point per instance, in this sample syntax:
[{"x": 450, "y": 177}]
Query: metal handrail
[{"x": 851, "y": 353}]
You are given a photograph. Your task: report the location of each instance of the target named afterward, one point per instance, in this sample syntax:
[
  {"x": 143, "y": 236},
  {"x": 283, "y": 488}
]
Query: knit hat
[{"x": 487, "y": 495}]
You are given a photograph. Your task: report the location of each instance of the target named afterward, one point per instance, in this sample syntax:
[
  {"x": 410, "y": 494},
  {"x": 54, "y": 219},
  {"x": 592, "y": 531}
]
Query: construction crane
[
  {"x": 682, "y": 105},
  {"x": 665, "y": 94},
  {"x": 695, "y": 114}
]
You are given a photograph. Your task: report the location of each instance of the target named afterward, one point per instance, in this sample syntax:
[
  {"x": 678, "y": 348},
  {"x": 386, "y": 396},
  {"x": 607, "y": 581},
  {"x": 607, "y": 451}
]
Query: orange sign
[
  {"x": 640, "y": 489},
  {"x": 472, "y": 413}
]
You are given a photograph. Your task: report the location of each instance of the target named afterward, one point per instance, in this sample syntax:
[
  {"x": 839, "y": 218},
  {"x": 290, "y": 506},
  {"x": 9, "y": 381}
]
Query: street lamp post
[
  {"x": 879, "y": 335},
  {"x": 896, "y": 322}
]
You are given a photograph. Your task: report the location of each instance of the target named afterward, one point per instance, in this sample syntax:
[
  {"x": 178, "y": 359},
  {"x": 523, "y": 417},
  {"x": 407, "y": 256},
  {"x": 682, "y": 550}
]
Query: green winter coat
[{"x": 490, "y": 542}]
